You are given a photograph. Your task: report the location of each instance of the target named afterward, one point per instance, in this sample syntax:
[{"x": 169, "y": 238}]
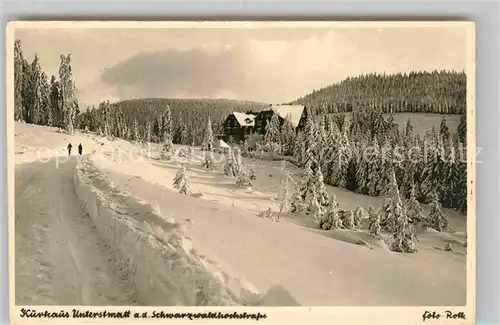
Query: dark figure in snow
[
  {"x": 80, "y": 149},
  {"x": 69, "y": 149}
]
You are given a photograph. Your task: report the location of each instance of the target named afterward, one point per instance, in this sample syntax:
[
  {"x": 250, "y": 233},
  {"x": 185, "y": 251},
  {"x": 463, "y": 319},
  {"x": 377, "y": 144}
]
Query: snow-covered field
[{"x": 111, "y": 229}]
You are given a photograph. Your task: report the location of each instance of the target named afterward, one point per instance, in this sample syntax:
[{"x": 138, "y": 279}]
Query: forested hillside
[
  {"x": 188, "y": 117},
  {"x": 441, "y": 92}
]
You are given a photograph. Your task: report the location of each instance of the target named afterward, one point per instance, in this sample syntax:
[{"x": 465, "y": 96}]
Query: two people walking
[{"x": 80, "y": 149}]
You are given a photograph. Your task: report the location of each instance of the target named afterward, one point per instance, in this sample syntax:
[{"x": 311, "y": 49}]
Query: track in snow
[{"x": 60, "y": 258}]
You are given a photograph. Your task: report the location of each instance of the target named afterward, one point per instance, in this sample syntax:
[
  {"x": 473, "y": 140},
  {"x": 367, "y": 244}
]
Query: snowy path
[
  {"x": 316, "y": 270},
  {"x": 59, "y": 257}
]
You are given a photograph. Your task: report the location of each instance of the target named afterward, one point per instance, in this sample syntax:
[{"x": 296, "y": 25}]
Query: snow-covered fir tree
[
  {"x": 374, "y": 228},
  {"x": 309, "y": 143},
  {"x": 338, "y": 166},
  {"x": 316, "y": 211},
  {"x": 272, "y": 132},
  {"x": 409, "y": 129},
  {"x": 444, "y": 131},
  {"x": 450, "y": 176},
  {"x": 374, "y": 183},
  {"x": 331, "y": 218},
  {"x": 299, "y": 148},
  {"x": 413, "y": 208},
  {"x": 287, "y": 137},
  {"x": 432, "y": 173},
  {"x": 36, "y": 99},
  {"x": 403, "y": 239},
  {"x": 286, "y": 192},
  {"x": 319, "y": 187},
  {"x": 181, "y": 181},
  {"x": 166, "y": 131},
  {"x": 208, "y": 137},
  {"x": 136, "y": 131},
  {"x": 19, "y": 81},
  {"x": 362, "y": 173},
  {"x": 306, "y": 186},
  {"x": 243, "y": 178},
  {"x": 392, "y": 207},
  {"x": 231, "y": 167},
  {"x": 67, "y": 92},
  {"x": 359, "y": 215},
  {"x": 208, "y": 160},
  {"x": 238, "y": 161},
  {"x": 436, "y": 219},
  {"x": 349, "y": 221},
  {"x": 387, "y": 167},
  {"x": 297, "y": 204}
]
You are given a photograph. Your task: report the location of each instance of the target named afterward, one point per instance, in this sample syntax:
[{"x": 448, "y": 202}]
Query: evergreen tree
[
  {"x": 238, "y": 162},
  {"x": 409, "y": 129},
  {"x": 67, "y": 92},
  {"x": 338, "y": 164},
  {"x": 272, "y": 131},
  {"x": 19, "y": 77},
  {"x": 299, "y": 149},
  {"x": 404, "y": 238},
  {"x": 436, "y": 219},
  {"x": 392, "y": 207},
  {"x": 136, "y": 131},
  {"x": 166, "y": 132},
  {"x": 320, "y": 188},
  {"x": 316, "y": 211},
  {"x": 374, "y": 223},
  {"x": 286, "y": 193},
  {"x": 432, "y": 174},
  {"x": 309, "y": 143},
  {"x": 358, "y": 218},
  {"x": 306, "y": 186},
  {"x": 362, "y": 172},
  {"x": 287, "y": 137},
  {"x": 208, "y": 161},
  {"x": 451, "y": 177},
  {"x": 413, "y": 208},
  {"x": 208, "y": 138},
  {"x": 331, "y": 219},
  {"x": 47, "y": 118},
  {"x": 444, "y": 131},
  {"x": 349, "y": 221},
  {"x": 27, "y": 91},
  {"x": 56, "y": 102},
  {"x": 374, "y": 183},
  {"x": 243, "y": 178},
  {"x": 231, "y": 167},
  {"x": 462, "y": 129},
  {"x": 148, "y": 133},
  {"x": 181, "y": 182},
  {"x": 36, "y": 100}
]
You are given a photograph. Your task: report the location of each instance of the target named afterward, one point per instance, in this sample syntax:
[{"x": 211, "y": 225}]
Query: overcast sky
[{"x": 268, "y": 65}]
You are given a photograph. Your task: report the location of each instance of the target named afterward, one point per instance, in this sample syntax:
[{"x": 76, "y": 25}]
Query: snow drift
[{"x": 161, "y": 264}]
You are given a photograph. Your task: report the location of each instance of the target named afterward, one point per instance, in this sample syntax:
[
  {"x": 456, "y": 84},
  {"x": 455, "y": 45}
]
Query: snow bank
[{"x": 161, "y": 264}]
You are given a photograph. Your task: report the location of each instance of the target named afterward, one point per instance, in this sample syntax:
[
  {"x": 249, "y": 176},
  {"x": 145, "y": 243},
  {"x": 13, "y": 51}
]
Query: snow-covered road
[{"x": 60, "y": 259}]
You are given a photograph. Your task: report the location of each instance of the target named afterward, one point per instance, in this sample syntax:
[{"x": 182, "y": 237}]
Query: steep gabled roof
[
  {"x": 244, "y": 119},
  {"x": 294, "y": 111}
]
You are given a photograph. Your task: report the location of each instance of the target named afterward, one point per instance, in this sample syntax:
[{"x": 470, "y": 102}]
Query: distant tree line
[
  {"x": 442, "y": 92},
  {"x": 37, "y": 99},
  {"x": 188, "y": 118}
]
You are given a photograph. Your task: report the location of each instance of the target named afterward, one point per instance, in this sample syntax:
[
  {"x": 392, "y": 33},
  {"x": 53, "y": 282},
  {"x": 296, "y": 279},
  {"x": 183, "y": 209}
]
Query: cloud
[
  {"x": 270, "y": 65},
  {"x": 175, "y": 73}
]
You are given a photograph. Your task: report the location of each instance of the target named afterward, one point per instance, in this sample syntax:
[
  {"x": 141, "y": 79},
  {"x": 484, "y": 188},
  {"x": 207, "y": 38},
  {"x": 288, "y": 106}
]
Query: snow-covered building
[
  {"x": 237, "y": 125},
  {"x": 296, "y": 113}
]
